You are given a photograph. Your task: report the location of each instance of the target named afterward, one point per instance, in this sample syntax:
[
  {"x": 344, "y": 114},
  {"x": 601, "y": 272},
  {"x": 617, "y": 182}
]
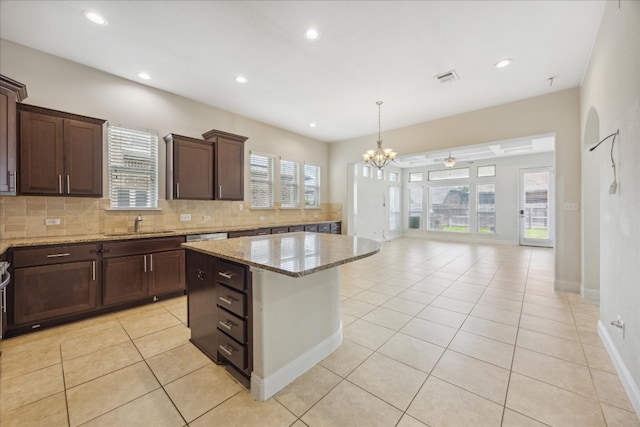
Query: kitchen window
[
  {"x": 289, "y": 188},
  {"x": 261, "y": 170},
  {"x": 311, "y": 186},
  {"x": 133, "y": 168}
]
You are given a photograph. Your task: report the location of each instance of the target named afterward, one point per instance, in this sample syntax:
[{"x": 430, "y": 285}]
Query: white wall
[
  {"x": 611, "y": 89},
  {"x": 556, "y": 113},
  {"x": 59, "y": 84}
]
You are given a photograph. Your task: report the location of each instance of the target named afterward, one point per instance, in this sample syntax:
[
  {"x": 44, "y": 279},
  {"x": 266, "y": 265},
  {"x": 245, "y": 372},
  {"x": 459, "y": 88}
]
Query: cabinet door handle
[
  {"x": 60, "y": 184},
  {"x": 145, "y": 263},
  {"x": 12, "y": 180},
  {"x": 93, "y": 267},
  {"x": 151, "y": 262},
  {"x": 226, "y": 324},
  {"x": 227, "y": 349},
  {"x": 4, "y": 300},
  {"x": 177, "y": 190},
  {"x": 225, "y": 275},
  {"x": 68, "y": 185},
  {"x": 58, "y": 255},
  {"x": 227, "y": 300},
  {"x": 220, "y": 191}
]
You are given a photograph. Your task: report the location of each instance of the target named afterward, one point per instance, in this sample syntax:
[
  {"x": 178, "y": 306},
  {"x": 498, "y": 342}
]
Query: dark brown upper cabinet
[
  {"x": 229, "y": 164},
  {"x": 211, "y": 169},
  {"x": 189, "y": 168},
  {"x": 11, "y": 92},
  {"x": 60, "y": 153}
]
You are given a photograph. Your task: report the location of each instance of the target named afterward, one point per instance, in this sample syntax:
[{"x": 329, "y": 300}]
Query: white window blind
[
  {"x": 261, "y": 167},
  {"x": 311, "y": 186},
  {"x": 289, "y": 187},
  {"x": 133, "y": 168}
]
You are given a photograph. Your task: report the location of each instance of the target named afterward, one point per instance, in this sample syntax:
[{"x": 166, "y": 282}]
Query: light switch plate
[
  {"x": 570, "y": 207},
  {"x": 185, "y": 217},
  {"x": 52, "y": 221}
]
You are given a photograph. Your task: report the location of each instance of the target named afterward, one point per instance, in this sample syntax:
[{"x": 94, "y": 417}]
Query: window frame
[
  {"x": 294, "y": 185},
  {"x": 120, "y": 139},
  {"x": 269, "y": 180},
  {"x": 316, "y": 187}
]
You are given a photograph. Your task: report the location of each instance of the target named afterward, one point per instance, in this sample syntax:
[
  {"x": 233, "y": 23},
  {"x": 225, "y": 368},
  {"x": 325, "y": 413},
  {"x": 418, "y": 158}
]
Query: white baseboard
[
  {"x": 264, "y": 388},
  {"x": 590, "y": 294},
  {"x": 566, "y": 285},
  {"x": 630, "y": 386}
]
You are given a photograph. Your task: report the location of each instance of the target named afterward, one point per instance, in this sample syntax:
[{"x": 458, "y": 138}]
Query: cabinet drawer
[
  {"x": 231, "y": 300},
  {"x": 232, "y": 275},
  {"x": 232, "y": 351},
  {"x": 53, "y": 255},
  {"x": 324, "y": 228},
  {"x": 312, "y": 228},
  {"x": 141, "y": 246},
  {"x": 231, "y": 325},
  {"x": 279, "y": 230},
  {"x": 294, "y": 228}
]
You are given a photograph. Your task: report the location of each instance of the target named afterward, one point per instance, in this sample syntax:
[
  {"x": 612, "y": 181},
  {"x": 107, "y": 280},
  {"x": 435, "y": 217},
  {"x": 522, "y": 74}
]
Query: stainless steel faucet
[{"x": 137, "y": 224}]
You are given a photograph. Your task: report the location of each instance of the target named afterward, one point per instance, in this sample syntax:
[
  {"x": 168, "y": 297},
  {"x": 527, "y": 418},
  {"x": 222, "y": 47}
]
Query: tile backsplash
[{"x": 26, "y": 216}]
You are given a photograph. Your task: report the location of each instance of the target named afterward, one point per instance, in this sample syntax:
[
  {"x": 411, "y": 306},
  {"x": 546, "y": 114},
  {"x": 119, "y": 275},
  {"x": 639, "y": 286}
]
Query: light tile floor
[{"x": 435, "y": 334}]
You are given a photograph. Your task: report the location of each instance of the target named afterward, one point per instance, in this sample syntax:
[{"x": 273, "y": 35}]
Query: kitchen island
[{"x": 277, "y": 301}]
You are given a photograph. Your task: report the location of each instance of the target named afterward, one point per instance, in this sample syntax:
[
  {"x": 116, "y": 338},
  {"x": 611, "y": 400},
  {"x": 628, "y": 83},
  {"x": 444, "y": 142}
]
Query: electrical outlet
[
  {"x": 241, "y": 207},
  {"x": 52, "y": 221},
  {"x": 206, "y": 217},
  {"x": 185, "y": 217},
  {"x": 261, "y": 218}
]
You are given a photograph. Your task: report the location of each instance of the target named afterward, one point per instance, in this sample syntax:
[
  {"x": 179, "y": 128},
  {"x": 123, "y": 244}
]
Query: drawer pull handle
[
  {"x": 226, "y": 324},
  {"x": 227, "y": 349},
  {"x": 225, "y": 275},
  {"x": 229, "y": 300},
  {"x": 58, "y": 255}
]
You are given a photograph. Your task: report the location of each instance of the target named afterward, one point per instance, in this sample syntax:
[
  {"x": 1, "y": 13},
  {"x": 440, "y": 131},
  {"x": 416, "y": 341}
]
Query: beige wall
[
  {"x": 557, "y": 113},
  {"x": 56, "y": 83},
  {"x": 610, "y": 100}
]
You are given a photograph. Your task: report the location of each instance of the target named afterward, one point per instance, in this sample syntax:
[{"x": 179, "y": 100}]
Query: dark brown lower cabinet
[
  {"x": 219, "y": 310},
  {"x": 57, "y": 290},
  {"x": 166, "y": 272},
  {"x": 125, "y": 279},
  {"x": 201, "y": 303},
  {"x": 137, "y": 269}
]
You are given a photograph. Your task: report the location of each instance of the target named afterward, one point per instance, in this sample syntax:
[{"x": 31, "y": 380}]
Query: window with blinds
[
  {"x": 289, "y": 188},
  {"x": 311, "y": 186},
  {"x": 261, "y": 167},
  {"x": 133, "y": 168}
]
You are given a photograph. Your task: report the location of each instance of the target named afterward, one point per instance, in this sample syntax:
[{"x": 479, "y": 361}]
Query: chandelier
[
  {"x": 380, "y": 157},
  {"x": 449, "y": 162}
]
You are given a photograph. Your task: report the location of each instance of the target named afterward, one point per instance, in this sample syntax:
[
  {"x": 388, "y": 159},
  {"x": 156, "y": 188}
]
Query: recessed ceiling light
[
  {"x": 95, "y": 18},
  {"x": 503, "y": 63},
  {"x": 144, "y": 76},
  {"x": 241, "y": 79},
  {"x": 312, "y": 125},
  {"x": 312, "y": 34}
]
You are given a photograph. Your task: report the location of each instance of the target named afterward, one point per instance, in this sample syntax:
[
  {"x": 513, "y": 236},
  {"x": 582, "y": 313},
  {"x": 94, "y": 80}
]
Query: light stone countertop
[
  {"x": 291, "y": 254},
  {"x": 103, "y": 237}
]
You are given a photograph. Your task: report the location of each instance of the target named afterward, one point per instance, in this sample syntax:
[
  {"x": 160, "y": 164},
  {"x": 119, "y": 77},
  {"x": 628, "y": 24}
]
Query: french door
[{"x": 536, "y": 207}]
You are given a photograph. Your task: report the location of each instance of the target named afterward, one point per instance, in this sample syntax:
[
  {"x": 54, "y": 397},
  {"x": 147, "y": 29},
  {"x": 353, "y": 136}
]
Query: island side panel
[{"x": 297, "y": 324}]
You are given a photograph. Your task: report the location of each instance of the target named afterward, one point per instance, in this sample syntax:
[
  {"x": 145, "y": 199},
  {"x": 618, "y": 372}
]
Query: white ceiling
[{"x": 367, "y": 51}]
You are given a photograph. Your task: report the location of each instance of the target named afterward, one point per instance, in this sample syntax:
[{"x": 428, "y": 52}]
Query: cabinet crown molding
[
  {"x": 214, "y": 133},
  {"x": 17, "y": 87}
]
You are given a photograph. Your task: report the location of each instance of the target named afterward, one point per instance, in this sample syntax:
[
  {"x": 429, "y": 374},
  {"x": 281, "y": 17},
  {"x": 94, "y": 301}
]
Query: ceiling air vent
[{"x": 448, "y": 77}]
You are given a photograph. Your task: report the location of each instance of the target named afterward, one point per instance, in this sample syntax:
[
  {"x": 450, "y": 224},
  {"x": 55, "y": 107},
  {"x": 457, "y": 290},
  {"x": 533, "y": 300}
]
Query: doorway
[{"x": 536, "y": 207}]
